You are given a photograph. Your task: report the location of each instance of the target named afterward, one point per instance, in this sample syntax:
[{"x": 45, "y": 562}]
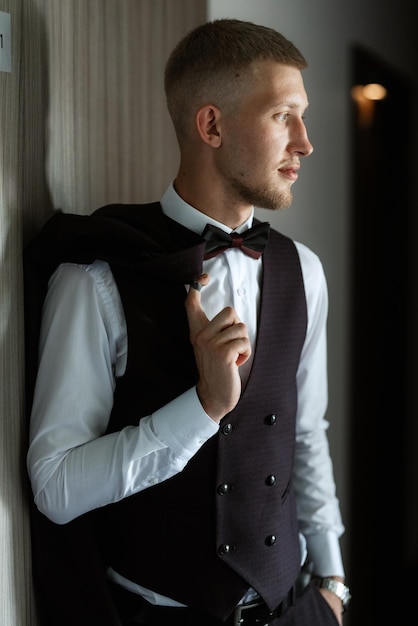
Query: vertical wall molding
[{"x": 16, "y": 598}]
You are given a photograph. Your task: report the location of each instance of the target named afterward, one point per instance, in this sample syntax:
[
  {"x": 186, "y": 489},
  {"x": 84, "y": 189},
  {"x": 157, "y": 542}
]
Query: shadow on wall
[
  {"x": 26, "y": 206},
  {"x": 381, "y": 500},
  {"x": 35, "y": 199}
]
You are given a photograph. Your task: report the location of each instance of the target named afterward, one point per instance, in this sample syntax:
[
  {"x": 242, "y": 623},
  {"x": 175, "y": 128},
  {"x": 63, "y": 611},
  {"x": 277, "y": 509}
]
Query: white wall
[{"x": 324, "y": 30}]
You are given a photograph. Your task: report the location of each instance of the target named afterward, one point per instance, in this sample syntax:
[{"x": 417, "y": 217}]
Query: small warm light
[
  {"x": 374, "y": 91},
  {"x": 365, "y": 96}
]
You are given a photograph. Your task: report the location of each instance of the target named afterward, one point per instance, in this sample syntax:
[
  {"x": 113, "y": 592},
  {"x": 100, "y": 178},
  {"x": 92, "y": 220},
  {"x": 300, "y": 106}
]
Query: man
[{"x": 178, "y": 454}]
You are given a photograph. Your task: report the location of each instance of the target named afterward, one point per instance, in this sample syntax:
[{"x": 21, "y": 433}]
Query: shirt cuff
[
  {"x": 183, "y": 425},
  {"x": 325, "y": 553}
]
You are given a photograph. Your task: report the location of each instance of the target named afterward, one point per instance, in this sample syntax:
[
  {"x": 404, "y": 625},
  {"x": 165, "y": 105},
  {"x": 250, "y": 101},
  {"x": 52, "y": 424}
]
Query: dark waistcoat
[{"x": 228, "y": 521}]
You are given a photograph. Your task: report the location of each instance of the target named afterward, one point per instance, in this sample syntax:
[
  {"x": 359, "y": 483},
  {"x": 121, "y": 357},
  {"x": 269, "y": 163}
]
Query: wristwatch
[{"x": 335, "y": 586}]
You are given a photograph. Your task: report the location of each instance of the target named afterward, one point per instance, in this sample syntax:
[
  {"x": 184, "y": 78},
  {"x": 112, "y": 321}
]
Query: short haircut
[{"x": 206, "y": 63}]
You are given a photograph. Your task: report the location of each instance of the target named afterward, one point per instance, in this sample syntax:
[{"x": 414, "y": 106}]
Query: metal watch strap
[{"x": 335, "y": 586}]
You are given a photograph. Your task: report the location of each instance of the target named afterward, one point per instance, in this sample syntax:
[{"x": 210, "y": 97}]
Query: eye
[{"x": 282, "y": 117}]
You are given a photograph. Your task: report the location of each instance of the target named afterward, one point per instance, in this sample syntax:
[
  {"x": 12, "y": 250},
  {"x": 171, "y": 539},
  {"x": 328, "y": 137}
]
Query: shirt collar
[{"x": 177, "y": 209}]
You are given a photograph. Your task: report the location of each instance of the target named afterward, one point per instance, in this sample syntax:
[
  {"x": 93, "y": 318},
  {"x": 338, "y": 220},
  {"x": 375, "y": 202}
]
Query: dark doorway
[{"x": 381, "y": 220}]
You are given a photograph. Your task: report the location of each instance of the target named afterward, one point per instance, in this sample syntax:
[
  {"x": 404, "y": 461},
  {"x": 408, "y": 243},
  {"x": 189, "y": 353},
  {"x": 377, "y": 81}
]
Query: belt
[
  {"x": 258, "y": 613},
  {"x": 139, "y": 611}
]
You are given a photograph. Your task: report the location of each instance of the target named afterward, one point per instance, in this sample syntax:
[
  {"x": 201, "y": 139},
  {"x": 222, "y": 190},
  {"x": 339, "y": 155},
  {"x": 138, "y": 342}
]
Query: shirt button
[
  {"x": 270, "y": 540},
  {"x": 271, "y": 480},
  {"x": 241, "y": 292}
]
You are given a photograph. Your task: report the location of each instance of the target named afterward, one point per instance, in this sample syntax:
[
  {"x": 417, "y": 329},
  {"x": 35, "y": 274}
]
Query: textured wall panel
[
  {"x": 109, "y": 136},
  {"x": 15, "y": 563},
  {"x": 83, "y": 122}
]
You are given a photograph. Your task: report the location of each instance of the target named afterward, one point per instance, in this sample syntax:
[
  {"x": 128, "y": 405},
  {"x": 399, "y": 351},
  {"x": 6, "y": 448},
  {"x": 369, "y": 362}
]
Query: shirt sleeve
[
  {"x": 73, "y": 466},
  {"x": 318, "y": 507}
]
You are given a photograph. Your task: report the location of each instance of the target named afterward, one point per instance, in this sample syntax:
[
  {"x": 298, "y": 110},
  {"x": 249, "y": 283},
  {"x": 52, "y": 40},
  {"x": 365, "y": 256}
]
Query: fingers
[
  {"x": 200, "y": 282},
  {"x": 195, "y": 313},
  {"x": 196, "y": 285},
  {"x": 220, "y": 346},
  {"x": 229, "y": 331},
  {"x": 225, "y": 328}
]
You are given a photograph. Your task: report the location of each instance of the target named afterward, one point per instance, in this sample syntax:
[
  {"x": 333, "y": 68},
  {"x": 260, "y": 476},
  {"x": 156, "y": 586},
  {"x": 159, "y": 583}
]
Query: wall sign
[{"x": 5, "y": 43}]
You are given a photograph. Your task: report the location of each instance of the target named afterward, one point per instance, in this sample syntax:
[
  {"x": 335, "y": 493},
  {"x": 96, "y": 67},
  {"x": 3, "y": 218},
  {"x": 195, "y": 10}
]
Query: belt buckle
[{"x": 239, "y": 619}]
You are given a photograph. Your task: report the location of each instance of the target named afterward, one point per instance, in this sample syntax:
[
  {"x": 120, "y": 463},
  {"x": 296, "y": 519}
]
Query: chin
[{"x": 278, "y": 202}]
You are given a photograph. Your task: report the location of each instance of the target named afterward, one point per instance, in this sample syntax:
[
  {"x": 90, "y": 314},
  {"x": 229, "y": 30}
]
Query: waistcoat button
[
  {"x": 270, "y": 420},
  {"x": 224, "y": 489},
  {"x": 225, "y": 548},
  {"x": 227, "y": 429},
  {"x": 271, "y": 480},
  {"x": 270, "y": 540}
]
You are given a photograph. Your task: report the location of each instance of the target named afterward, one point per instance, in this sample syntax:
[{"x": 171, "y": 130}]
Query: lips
[{"x": 291, "y": 173}]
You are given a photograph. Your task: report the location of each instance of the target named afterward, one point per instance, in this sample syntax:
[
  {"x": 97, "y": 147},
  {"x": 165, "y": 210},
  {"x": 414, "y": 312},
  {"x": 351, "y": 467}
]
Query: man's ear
[{"x": 208, "y": 126}]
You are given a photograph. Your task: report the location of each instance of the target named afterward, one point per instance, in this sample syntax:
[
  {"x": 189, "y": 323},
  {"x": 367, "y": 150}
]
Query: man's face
[{"x": 265, "y": 137}]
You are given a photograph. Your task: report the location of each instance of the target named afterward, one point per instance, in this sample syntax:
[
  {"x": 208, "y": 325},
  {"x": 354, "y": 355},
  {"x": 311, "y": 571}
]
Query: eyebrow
[{"x": 290, "y": 105}]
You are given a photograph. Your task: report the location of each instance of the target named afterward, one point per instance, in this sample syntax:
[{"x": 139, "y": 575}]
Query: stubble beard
[{"x": 270, "y": 199}]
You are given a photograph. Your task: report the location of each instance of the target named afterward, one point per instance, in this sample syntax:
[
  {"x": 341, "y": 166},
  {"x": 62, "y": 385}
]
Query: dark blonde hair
[{"x": 209, "y": 61}]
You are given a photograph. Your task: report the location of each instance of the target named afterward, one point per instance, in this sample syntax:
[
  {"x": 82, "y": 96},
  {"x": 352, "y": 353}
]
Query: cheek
[
  {"x": 254, "y": 148},
  {"x": 277, "y": 139},
  {"x": 239, "y": 150},
  {"x": 269, "y": 142}
]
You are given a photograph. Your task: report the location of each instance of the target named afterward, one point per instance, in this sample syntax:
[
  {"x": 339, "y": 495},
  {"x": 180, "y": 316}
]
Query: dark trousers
[{"x": 309, "y": 609}]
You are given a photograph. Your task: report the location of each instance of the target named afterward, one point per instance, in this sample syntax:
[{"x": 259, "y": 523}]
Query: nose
[{"x": 299, "y": 141}]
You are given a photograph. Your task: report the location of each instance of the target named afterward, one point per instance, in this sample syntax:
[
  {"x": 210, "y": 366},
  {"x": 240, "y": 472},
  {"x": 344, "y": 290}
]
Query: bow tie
[{"x": 251, "y": 241}]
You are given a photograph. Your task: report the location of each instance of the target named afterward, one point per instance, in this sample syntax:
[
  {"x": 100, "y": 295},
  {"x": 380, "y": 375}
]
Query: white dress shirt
[{"x": 75, "y": 468}]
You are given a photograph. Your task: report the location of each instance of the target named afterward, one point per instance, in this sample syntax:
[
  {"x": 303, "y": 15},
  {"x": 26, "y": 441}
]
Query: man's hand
[
  {"x": 335, "y": 604},
  {"x": 220, "y": 346}
]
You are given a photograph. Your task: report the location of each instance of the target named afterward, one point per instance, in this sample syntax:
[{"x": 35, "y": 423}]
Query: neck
[{"x": 208, "y": 198}]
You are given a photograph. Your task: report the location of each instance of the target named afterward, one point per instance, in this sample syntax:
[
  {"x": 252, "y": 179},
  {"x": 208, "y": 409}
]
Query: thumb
[{"x": 195, "y": 313}]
